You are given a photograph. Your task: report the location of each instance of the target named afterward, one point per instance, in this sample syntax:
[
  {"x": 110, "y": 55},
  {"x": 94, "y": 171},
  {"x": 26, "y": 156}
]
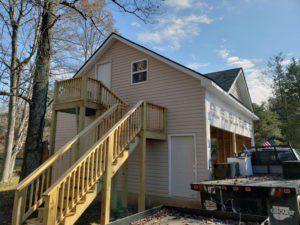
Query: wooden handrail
[
  {"x": 31, "y": 188},
  {"x": 86, "y": 89},
  {"x": 121, "y": 100},
  {"x": 90, "y": 167}
]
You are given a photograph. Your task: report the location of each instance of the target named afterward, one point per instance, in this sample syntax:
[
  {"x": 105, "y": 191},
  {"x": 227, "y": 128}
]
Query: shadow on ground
[
  {"x": 6, "y": 203},
  {"x": 92, "y": 215},
  {"x": 89, "y": 217}
]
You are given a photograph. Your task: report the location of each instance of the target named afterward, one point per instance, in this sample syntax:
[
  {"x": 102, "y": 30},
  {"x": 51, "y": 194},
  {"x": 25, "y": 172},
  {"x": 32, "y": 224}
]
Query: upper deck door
[
  {"x": 104, "y": 74},
  {"x": 182, "y": 166}
]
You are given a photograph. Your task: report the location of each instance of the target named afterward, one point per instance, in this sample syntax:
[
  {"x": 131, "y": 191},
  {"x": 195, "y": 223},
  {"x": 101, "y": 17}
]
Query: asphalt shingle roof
[{"x": 224, "y": 78}]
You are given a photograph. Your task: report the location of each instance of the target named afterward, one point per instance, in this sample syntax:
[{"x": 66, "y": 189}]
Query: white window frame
[{"x": 132, "y": 73}]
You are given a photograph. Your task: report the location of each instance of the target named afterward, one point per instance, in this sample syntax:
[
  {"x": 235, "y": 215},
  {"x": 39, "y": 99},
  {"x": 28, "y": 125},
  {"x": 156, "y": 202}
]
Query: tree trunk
[
  {"x": 10, "y": 135},
  {"x": 12, "y": 164},
  {"x": 9, "y": 139},
  {"x": 34, "y": 140}
]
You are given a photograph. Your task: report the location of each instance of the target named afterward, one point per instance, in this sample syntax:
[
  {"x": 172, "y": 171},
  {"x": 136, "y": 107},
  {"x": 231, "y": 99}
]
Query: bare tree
[
  {"x": 53, "y": 11},
  {"x": 76, "y": 38},
  {"x": 16, "y": 15}
]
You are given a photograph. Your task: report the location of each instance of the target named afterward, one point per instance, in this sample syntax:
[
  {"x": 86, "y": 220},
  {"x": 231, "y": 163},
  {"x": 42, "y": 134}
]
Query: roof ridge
[{"x": 220, "y": 71}]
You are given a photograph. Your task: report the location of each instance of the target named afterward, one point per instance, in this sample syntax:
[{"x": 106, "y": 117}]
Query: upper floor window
[{"x": 139, "y": 71}]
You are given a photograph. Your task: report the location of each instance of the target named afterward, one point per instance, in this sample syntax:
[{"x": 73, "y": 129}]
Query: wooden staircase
[{"x": 62, "y": 188}]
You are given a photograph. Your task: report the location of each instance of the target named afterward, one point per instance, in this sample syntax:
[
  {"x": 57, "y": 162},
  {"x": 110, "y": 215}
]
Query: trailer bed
[
  {"x": 270, "y": 196},
  {"x": 257, "y": 181}
]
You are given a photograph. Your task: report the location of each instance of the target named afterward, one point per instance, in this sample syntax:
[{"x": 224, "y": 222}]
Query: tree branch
[
  {"x": 125, "y": 9},
  {"x": 5, "y": 93},
  {"x": 72, "y": 5}
]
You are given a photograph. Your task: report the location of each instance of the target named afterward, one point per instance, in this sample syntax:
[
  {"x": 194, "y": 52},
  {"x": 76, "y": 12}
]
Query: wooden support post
[
  {"x": 106, "y": 193},
  {"x": 114, "y": 192},
  {"x": 142, "y": 174},
  {"x": 142, "y": 163},
  {"x": 234, "y": 143},
  {"x": 81, "y": 125},
  {"x": 124, "y": 189},
  {"x": 53, "y": 131},
  {"x": 50, "y": 208},
  {"x": 19, "y": 207},
  {"x": 77, "y": 119},
  {"x": 81, "y": 118}
]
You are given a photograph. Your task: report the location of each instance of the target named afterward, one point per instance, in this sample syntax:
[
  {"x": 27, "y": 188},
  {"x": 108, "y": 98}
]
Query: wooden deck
[
  {"x": 65, "y": 185},
  {"x": 83, "y": 92}
]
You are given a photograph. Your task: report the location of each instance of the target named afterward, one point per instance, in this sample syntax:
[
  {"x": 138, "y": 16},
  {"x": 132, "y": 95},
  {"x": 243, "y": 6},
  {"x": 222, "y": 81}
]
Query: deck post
[
  {"x": 81, "y": 125},
  {"x": 234, "y": 143},
  {"x": 114, "y": 191},
  {"x": 53, "y": 131},
  {"x": 124, "y": 190},
  {"x": 142, "y": 163},
  {"x": 19, "y": 207},
  {"x": 50, "y": 208},
  {"x": 106, "y": 193}
]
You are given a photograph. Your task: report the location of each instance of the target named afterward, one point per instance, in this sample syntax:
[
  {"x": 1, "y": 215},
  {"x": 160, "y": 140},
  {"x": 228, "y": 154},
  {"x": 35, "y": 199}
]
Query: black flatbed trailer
[{"x": 269, "y": 196}]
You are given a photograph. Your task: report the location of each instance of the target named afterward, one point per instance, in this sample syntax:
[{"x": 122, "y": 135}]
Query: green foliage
[
  {"x": 286, "y": 100},
  {"x": 267, "y": 126}
]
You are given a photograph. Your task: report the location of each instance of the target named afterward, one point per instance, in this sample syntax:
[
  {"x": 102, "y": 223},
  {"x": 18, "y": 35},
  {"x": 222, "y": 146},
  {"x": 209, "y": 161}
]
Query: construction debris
[{"x": 174, "y": 217}]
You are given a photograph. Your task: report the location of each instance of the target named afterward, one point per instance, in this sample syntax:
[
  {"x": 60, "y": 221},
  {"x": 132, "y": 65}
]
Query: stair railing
[
  {"x": 28, "y": 193},
  {"x": 75, "y": 183}
]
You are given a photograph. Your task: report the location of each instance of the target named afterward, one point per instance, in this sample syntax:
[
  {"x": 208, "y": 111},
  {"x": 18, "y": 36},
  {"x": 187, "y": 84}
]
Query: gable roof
[
  {"x": 225, "y": 78},
  {"x": 230, "y": 79},
  {"x": 205, "y": 80}
]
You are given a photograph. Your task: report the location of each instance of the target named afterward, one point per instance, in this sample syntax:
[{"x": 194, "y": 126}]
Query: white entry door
[
  {"x": 104, "y": 74},
  {"x": 182, "y": 166}
]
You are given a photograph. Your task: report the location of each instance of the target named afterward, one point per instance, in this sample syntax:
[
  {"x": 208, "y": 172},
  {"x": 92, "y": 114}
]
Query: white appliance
[{"x": 245, "y": 165}]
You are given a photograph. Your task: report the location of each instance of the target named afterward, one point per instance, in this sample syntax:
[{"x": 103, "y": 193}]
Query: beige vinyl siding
[
  {"x": 67, "y": 128},
  {"x": 183, "y": 97},
  {"x": 235, "y": 92},
  {"x": 239, "y": 90},
  {"x": 65, "y": 131}
]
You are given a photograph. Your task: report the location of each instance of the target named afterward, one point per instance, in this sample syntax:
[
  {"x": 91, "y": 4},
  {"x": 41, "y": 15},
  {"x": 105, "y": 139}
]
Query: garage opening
[{"x": 225, "y": 144}]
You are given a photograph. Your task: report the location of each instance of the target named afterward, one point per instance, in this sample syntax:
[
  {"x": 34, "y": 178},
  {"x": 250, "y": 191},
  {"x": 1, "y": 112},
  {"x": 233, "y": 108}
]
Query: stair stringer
[{"x": 90, "y": 197}]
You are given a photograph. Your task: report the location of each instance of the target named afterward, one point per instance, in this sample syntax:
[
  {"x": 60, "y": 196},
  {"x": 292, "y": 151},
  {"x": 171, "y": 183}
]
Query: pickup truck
[{"x": 269, "y": 160}]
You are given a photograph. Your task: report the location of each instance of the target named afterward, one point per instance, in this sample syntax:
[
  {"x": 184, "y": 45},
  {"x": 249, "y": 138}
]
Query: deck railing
[
  {"x": 85, "y": 89},
  {"x": 28, "y": 194},
  {"x": 156, "y": 117}
]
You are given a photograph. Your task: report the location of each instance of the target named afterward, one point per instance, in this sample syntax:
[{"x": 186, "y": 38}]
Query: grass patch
[{"x": 10, "y": 185}]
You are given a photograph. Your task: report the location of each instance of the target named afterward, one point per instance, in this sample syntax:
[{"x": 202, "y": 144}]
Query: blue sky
[{"x": 211, "y": 35}]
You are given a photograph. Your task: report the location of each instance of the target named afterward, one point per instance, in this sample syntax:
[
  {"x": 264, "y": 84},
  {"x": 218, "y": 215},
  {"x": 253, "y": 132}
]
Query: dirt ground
[{"x": 168, "y": 217}]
